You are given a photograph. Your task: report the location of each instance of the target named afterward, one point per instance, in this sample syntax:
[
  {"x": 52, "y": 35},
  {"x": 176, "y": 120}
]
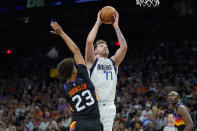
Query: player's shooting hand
[
  {"x": 99, "y": 21},
  {"x": 116, "y": 18},
  {"x": 57, "y": 30}
]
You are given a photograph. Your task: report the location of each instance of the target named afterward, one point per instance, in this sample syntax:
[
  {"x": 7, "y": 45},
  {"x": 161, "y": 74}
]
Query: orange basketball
[{"x": 106, "y": 14}]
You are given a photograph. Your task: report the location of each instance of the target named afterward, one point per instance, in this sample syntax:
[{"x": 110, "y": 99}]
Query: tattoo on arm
[{"x": 121, "y": 38}]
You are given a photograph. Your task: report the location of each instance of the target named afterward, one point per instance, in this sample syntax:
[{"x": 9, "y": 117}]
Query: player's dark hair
[
  {"x": 65, "y": 68},
  {"x": 99, "y": 42}
]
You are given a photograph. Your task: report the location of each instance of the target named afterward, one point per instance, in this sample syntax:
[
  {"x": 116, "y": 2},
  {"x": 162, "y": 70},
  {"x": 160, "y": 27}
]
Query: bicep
[
  {"x": 185, "y": 115},
  {"x": 119, "y": 56},
  {"x": 89, "y": 53}
]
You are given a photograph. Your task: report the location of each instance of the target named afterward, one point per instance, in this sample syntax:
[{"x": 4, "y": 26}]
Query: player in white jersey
[{"x": 103, "y": 70}]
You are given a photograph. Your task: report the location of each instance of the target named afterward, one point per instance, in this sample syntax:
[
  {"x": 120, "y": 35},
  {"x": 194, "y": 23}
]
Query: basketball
[{"x": 106, "y": 14}]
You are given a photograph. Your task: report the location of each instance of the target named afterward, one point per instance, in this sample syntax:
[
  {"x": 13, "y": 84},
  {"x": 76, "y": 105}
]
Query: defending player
[
  {"x": 78, "y": 89},
  {"x": 103, "y": 70}
]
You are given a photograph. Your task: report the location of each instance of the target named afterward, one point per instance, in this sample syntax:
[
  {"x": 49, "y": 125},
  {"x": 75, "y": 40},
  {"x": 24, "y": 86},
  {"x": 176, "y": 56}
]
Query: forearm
[
  {"x": 93, "y": 33},
  {"x": 71, "y": 45},
  {"x": 121, "y": 38}
]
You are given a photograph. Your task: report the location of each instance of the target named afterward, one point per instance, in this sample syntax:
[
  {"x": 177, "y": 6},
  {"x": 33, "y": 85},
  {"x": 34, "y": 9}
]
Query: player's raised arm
[
  {"x": 89, "y": 51},
  {"x": 71, "y": 45},
  {"x": 189, "y": 125},
  {"x": 121, "y": 52}
]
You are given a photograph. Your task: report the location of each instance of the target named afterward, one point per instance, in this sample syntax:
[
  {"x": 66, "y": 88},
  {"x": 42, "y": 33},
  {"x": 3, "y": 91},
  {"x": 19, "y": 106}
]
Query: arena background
[{"x": 162, "y": 45}]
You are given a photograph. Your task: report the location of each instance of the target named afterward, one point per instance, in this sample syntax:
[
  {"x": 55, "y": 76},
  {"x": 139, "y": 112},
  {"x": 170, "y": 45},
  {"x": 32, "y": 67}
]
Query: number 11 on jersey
[{"x": 108, "y": 75}]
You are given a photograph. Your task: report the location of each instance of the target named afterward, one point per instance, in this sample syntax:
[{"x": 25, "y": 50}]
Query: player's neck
[
  {"x": 72, "y": 78},
  {"x": 100, "y": 56},
  {"x": 177, "y": 103}
]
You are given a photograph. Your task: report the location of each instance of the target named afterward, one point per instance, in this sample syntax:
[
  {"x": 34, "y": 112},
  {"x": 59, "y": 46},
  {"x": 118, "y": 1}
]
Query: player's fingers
[
  {"x": 117, "y": 14},
  {"x": 99, "y": 12},
  {"x": 52, "y": 24},
  {"x": 114, "y": 15},
  {"x": 99, "y": 15},
  {"x": 53, "y": 32},
  {"x": 56, "y": 23}
]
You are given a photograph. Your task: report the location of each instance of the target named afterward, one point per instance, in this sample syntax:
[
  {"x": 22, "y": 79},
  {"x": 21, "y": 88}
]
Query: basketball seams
[
  {"x": 108, "y": 9},
  {"x": 107, "y": 14},
  {"x": 104, "y": 13}
]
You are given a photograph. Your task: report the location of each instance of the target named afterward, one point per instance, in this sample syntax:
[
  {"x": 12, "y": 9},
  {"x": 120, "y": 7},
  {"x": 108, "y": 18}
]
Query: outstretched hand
[
  {"x": 116, "y": 19},
  {"x": 57, "y": 30}
]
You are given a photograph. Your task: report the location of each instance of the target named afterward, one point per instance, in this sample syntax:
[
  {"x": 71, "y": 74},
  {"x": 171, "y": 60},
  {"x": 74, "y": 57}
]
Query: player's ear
[
  {"x": 95, "y": 52},
  {"x": 74, "y": 69}
]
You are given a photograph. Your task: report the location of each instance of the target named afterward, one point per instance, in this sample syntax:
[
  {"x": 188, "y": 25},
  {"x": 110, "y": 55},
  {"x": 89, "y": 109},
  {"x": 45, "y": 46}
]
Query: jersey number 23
[{"x": 89, "y": 100}]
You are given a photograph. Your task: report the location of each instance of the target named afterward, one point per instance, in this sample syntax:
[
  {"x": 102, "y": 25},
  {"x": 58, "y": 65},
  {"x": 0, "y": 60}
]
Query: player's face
[
  {"x": 172, "y": 98},
  {"x": 102, "y": 50},
  {"x": 171, "y": 118}
]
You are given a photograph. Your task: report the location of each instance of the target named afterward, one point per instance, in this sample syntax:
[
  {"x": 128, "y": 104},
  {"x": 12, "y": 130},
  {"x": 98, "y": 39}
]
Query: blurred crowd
[{"x": 31, "y": 101}]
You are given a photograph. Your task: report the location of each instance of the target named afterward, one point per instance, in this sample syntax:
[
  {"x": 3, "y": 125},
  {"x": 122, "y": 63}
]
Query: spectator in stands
[
  {"x": 161, "y": 120},
  {"x": 171, "y": 123}
]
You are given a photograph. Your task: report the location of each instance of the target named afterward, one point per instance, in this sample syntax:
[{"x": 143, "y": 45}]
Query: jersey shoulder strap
[{"x": 93, "y": 66}]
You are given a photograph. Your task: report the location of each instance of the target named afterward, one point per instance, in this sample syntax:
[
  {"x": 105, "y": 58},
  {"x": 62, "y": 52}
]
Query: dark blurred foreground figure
[{"x": 78, "y": 89}]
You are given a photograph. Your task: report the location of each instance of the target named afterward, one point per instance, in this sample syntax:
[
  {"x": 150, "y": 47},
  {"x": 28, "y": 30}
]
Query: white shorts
[{"x": 107, "y": 113}]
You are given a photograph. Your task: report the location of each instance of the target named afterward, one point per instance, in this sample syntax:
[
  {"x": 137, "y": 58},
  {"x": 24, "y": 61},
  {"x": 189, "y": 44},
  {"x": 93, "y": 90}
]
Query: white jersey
[
  {"x": 103, "y": 74},
  {"x": 170, "y": 128}
]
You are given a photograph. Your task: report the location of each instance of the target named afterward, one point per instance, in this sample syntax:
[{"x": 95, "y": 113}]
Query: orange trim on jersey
[
  {"x": 77, "y": 89},
  {"x": 96, "y": 94},
  {"x": 72, "y": 126},
  {"x": 179, "y": 121},
  {"x": 70, "y": 107}
]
